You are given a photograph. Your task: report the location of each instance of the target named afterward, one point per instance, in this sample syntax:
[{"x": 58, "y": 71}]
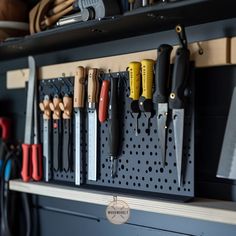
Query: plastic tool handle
[
  {"x": 179, "y": 78},
  {"x": 79, "y": 86},
  {"x": 104, "y": 101},
  {"x": 162, "y": 74},
  {"x": 147, "y": 78},
  {"x": 113, "y": 125},
  {"x": 92, "y": 86},
  {"x": 37, "y": 162},
  {"x": 135, "y": 79},
  {"x": 5, "y": 126},
  {"x": 26, "y": 170}
]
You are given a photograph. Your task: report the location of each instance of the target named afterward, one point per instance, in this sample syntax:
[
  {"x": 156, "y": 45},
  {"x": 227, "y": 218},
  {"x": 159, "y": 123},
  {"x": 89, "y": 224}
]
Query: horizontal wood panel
[
  {"x": 200, "y": 209},
  {"x": 215, "y": 52}
]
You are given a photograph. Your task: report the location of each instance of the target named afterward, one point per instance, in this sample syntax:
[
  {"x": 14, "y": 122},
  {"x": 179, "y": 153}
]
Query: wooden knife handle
[
  {"x": 93, "y": 85},
  {"x": 79, "y": 87}
]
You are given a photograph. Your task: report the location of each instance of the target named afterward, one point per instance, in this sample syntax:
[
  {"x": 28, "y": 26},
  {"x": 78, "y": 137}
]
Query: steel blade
[
  {"x": 161, "y": 129},
  {"x": 46, "y": 148},
  {"x": 30, "y": 100},
  {"x": 178, "y": 126},
  {"x": 77, "y": 147},
  {"x": 92, "y": 145}
]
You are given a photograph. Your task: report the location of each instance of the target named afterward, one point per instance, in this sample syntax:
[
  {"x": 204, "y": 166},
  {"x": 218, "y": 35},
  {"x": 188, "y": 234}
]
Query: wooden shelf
[{"x": 200, "y": 209}]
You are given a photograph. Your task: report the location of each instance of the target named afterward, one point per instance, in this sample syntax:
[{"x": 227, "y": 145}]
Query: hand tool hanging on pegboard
[
  {"x": 44, "y": 106},
  {"x": 57, "y": 133},
  {"x": 113, "y": 125},
  {"x": 145, "y": 101},
  {"x": 79, "y": 95},
  {"x": 67, "y": 157},
  {"x": 177, "y": 96},
  {"x": 93, "y": 93},
  {"x": 135, "y": 86},
  {"x": 32, "y": 153},
  {"x": 160, "y": 96}
]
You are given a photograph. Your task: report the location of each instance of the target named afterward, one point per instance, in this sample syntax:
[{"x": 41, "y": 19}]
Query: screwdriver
[
  {"x": 160, "y": 96},
  {"x": 135, "y": 84},
  {"x": 103, "y": 101},
  {"x": 176, "y": 99},
  {"x": 113, "y": 126},
  {"x": 145, "y": 101}
]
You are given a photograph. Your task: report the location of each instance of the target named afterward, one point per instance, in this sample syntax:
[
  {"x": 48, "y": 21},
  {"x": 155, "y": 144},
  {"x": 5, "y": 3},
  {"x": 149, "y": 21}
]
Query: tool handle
[
  {"x": 113, "y": 125},
  {"x": 26, "y": 170},
  {"x": 135, "y": 79},
  {"x": 5, "y": 126},
  {"x": 179, "y": 79},
  {"x": 162, "y": 73},
  {"x": 54, "y": 106},
  {"x": 147, "y": 66},
  {"x": 92, "y": 85},
  {"x": 37, "y": 162},
  {"x": 104, "y": 101},
  {"x": 79, "y": 86},
  {"x": 45, "y": 108},
  {"x": 66, "y": 107}
]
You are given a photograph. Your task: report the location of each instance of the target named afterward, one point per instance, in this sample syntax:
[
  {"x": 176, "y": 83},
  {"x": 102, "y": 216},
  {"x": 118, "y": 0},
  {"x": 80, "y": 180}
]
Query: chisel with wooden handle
[{"x": 79, "y": 94}]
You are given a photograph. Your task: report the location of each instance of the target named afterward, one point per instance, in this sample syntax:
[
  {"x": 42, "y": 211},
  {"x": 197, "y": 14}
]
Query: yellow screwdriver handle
[
  {"x": 147, "y": 78},
  {"x": 135, "y": 79}
]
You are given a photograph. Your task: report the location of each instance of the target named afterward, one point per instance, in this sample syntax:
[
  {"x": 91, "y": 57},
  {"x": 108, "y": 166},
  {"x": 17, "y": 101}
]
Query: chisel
[
  {"x": 113, "y": 126},
  {"x": 79, "y": 93},
  {"x": 66, "y": 107},
  {"x": 135, "y": 85},
  {"x": 176, "y": 99},
  {"x": 160, "y": 96},
  {"x": 145, "y": 101},
  {"x": 44, "y": 107},
  {"x": 93, "y": 91},
  {"x": 57, "y": 133}
]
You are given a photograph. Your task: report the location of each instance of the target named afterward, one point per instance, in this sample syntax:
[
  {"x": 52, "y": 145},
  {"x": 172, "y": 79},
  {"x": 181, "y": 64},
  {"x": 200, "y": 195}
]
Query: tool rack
[{"x": 220, "y": 211}]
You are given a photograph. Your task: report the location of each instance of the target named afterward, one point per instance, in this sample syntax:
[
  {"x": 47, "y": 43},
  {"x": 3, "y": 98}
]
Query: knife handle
[
  {"x": 37, "y": 162},
  {"x": 179, "y": 78},
  {"x": 93, "y": 87},
  {"x": 26, "y": 170},
  {"x": 66, "y": 107},
  {"x": 104, "y": 101},
  {"x": 54, "y": 106},
  {"x": 135, "y": 80},
  {"x": 113, "y": 125},
  {"x": 79, "y": 86},
  {"x": 44, "y": 107},
  {"x": 147, "y": 66},
  {"x": 162, "y": 74}
]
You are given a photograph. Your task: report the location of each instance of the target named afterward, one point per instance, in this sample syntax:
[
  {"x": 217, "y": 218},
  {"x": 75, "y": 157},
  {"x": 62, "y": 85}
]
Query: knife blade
[{"x": 160, "y": 96}]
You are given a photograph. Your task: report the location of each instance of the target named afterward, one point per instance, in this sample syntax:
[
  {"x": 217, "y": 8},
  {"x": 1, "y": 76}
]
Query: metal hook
[{"x": 200, "y": 49}]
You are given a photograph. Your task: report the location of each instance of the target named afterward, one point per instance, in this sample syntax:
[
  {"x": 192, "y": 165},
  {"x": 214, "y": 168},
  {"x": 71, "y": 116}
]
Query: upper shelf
[
  {"x": 200, "y": 209},
  {"x": 160, "y": 17}
]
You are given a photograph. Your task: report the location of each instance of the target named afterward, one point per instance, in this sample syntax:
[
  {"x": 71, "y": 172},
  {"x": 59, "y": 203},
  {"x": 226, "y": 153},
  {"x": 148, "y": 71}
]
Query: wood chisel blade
[
  {"x": 92, "y": 145},
  {"x": 77, "y": 145},
  {"x": 46, "y": 148},
  {"x": 227, "y": 164},
  {"x": 30, "y": 100}
]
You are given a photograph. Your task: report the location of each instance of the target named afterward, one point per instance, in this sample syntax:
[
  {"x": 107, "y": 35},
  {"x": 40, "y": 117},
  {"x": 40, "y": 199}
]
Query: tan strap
[
  {"x": 58, "y": 8},
  {"x": 32, "y": 17}
]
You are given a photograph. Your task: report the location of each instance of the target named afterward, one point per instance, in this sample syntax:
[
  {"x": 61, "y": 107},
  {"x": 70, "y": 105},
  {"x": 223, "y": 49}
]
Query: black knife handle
[
  {"x": 162, "y": 74},
  {"x": 179, "y": 78},
  {"x": 113, "y": 119}
]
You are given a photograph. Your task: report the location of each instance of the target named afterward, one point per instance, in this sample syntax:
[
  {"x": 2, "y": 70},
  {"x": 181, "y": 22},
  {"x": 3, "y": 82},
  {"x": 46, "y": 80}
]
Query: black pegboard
[{"x": 140, "y": 168}]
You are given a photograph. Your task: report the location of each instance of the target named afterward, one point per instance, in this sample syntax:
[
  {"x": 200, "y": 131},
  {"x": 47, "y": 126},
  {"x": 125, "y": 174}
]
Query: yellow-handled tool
[
  {"x": 135, "y": 85},
  {"x": 145, "y": 101}
]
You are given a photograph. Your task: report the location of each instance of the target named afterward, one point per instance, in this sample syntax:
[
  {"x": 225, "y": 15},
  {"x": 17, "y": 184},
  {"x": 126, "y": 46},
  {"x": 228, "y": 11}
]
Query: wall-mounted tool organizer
[{"x": 140, "y": 168}]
